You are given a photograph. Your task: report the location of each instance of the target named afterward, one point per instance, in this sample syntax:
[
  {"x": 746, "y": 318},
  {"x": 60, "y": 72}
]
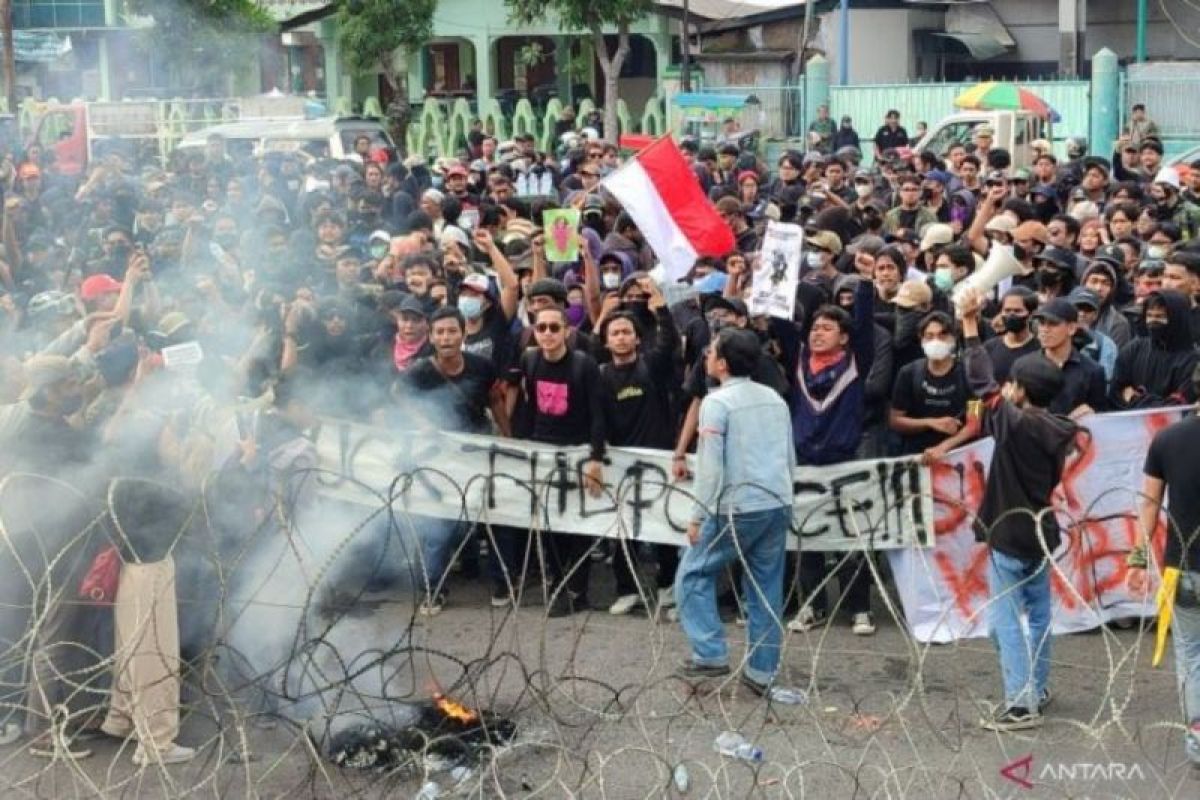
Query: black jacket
[{"x": 1161, "y": 371}]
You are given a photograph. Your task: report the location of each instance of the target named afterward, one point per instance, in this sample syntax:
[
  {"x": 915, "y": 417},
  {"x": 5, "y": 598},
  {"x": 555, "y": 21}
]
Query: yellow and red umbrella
[{"x": 992, "y": 95}]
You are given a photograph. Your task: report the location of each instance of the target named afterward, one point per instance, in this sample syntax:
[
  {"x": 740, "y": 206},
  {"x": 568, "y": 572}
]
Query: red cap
[
  {"x": 98, "y": 285},
  {"x": 456, "y": 169}
]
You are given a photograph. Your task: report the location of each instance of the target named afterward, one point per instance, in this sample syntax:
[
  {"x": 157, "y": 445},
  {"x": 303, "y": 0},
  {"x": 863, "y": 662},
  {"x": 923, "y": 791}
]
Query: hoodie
[
  {"x": 1160, "y": 370},
  {"x": 641, "y": 256}
]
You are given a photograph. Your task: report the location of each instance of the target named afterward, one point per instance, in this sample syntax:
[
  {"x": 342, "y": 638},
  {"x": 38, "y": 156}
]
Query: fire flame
[{"x": 453, "y": 709}]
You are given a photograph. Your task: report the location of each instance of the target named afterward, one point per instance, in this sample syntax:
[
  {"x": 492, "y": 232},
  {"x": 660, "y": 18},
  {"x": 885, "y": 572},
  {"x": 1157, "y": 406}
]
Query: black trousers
[{"x": 853, "y": 577}]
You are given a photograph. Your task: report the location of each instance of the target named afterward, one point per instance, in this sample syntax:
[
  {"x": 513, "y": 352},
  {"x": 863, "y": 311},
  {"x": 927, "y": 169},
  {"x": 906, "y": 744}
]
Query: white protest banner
[
  {"x": 945, "y": 590},
  {"x": 882, "y": 504},
  {"x": 773, "y": 290}
]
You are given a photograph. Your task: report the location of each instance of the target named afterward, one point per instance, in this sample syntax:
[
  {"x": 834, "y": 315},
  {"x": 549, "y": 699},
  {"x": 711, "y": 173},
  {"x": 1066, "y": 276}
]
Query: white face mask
[
  {"x": 1156, "y": 251},
  {"x": 863, "y": 189},
  {"x": 814, "y": 260},
  {"x": 610, "y": 280},
  {"x": 937, "y": 349}
]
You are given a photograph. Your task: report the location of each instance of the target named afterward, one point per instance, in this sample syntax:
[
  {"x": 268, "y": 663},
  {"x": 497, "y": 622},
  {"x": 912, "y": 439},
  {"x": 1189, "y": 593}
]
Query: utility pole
[
  {"x": 685, "y": 67},
  {"x": 10, "y": 70},
  {"x": 1141, "y": 31}
]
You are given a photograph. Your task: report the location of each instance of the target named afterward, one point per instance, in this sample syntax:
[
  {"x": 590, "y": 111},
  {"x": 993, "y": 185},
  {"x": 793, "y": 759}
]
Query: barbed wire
[{"x": 300, "y": 664}]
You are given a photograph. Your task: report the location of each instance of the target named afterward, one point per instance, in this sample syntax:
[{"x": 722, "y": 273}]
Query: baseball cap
[
  {"x": 98, "y": 285},
  {"x": 1001, "y": 223},
  {"x": 826, "y": 240},
  {"x": 1058, "y": 258},
  {"x": 411, "y": 305},
  {"x": 984, "y": 130},
  {"x": 996, "y": 176},
  {"x": 456, "y": 169},
  {"x": 936, "y": 234},
  {"x": 1080, "y": 296},
  {"x": 939, "y": 175},
  {"x": 734, "y": 304},
  {"x": 1057, "y": 310},
  {"x": 478, "y": 283},
  {"x": 1020, "y": 174},
  {"x": 914, "y": 294}
]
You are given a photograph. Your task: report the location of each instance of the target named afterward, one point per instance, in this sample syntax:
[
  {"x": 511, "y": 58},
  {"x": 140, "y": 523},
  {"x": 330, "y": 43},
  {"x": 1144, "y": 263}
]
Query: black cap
[
  {"x": 1080, "y": 296},
  {"x": 734, "y": 304},
  {"x": 1057, "y": 257},
  {"x": 1060, "y": 309},
  {"x": 1096, "y": 162},
  {"x": 411, "y": 305}
]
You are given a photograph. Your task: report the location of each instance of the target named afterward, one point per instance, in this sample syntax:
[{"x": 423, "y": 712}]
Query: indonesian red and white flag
[{"x": 662, "y": 195}]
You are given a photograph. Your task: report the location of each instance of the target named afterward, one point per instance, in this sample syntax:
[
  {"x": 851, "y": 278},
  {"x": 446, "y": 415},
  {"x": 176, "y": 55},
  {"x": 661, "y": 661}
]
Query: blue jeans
[
  {"x": 757, "y": 539},
  {"x": 438, "y": 539},
  {"x": 1019, "y": 586},
  {"x": 1185, "y": 633}
]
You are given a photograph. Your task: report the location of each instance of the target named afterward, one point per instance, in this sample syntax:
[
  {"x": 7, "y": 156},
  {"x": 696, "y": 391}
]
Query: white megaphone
[{"x": 1001, "y": 263}]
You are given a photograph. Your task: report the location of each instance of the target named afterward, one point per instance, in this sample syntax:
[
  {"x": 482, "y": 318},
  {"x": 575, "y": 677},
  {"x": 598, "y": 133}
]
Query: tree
[
  {"x": 203, "y": 41},
  {"x": 369, "y": 34},
  {"x": 592, "y": 16}
]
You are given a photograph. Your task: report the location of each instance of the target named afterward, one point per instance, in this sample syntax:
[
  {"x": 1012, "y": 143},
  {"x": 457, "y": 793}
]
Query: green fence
[
  {"x": 929, "y": 102},
  {"x": 439, "y": 128},
  {"x": 1172, "y": 102}
]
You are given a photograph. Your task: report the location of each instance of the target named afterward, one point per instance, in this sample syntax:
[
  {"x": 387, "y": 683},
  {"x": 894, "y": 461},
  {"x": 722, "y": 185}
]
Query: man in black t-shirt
[
  {"x": 890, "y": 135},
  {"x": 929, "y": 399},
  {"x": 559, "y": 402},
  {"x": 459, "y": 383},
  {"x": 637, "y": 407},
  {"x": 1170, "y": 470},
  {"x": 1016, "y": 339},
  {"x": 454, "y": 389}
]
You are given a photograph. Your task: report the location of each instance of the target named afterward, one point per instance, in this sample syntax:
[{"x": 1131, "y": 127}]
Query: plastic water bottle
[
  {"x": 734, "y": 745},
  {"x": 788, "y": 696},
  {"x": 430, "y": 791}
]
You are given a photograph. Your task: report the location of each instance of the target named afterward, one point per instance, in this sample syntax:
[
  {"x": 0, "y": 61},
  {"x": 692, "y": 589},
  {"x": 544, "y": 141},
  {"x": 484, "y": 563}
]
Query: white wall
[{"x": 881, "y": 43}]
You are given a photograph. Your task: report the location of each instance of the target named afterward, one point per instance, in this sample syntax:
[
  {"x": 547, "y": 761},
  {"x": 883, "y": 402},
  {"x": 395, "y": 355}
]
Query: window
[
  {"x": 58, "y": 13},
  {"x": 953, "y": 133}
]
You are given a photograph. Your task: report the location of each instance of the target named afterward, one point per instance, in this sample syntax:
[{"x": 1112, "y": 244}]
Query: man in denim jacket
[{"x": 743, "y": 493}]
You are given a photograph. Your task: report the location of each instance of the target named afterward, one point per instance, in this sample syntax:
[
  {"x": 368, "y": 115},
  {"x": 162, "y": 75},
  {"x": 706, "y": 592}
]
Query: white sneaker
[
  {"x": 178, "y": 754},
  {"x": 805, "y": 620},
  {"x": 863, "y": 626},
  {"x": 666, "y": 597},
  {"x": 432, "y": 606},
  {"x": 624, "y": 604}
]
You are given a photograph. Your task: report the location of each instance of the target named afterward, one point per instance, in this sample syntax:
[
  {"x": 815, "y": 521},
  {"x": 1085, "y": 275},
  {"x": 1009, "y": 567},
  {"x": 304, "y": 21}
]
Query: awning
[
  {"x": 41, "y": 47},
  {"x": 979, "y": 45}
]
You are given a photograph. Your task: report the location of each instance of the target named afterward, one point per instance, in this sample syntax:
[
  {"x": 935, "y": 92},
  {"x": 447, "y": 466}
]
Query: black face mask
[
  {"x": 1015, "y": 324},
  {"x": 1157, "y": 332}
]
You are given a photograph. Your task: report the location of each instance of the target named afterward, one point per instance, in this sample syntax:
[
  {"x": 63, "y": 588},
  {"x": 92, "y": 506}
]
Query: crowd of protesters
[{"x": 362, "y": 288}]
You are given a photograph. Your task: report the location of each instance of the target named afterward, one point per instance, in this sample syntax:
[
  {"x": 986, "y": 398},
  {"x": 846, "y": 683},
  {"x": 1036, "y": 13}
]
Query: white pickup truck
[{"x": 1014, "y": 131}]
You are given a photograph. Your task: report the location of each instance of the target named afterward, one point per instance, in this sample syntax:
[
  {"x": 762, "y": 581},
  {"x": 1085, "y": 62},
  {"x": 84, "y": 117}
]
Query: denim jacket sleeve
[{"x": 710, "y": 458}]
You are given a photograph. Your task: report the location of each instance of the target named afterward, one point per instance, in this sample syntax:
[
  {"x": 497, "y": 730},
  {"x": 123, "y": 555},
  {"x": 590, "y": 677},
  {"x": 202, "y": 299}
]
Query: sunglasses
[{"x": 548, "y": 327}]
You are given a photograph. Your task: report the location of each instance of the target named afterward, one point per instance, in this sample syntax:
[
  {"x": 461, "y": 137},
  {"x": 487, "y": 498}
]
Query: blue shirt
[{"x": 745, "y": 458}]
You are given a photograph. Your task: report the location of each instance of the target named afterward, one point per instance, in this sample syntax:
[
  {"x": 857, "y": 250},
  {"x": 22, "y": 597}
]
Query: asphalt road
[{"x": 600, "y": 714}]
